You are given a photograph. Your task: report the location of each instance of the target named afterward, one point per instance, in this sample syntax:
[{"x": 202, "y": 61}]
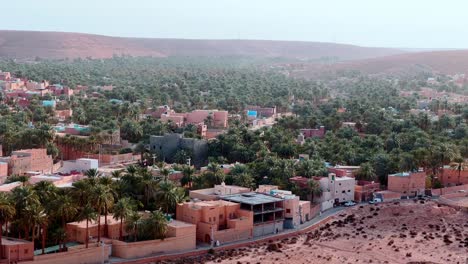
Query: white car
[
  {"x": 349, "y": 204},
  {"x": 375, "y": 201}
]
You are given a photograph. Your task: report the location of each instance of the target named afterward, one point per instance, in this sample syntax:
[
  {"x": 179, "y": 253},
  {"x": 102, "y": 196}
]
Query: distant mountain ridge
[
  {"x": 60, "y": 45},
  {"x": 447, "y": 62}
]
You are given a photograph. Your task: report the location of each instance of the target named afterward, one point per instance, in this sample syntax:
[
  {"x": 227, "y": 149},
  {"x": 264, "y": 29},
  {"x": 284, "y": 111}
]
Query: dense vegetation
[{"x": 385, "y": 139}]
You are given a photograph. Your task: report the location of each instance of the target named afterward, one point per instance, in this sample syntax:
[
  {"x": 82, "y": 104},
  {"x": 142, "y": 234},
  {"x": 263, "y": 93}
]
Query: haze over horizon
[{"x": 394, "y": 24}]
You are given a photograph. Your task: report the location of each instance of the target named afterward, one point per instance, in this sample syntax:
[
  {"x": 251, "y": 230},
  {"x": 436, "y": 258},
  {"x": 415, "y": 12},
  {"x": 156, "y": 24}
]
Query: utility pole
[
  {"x": 188, "y": 161},
  {"x": 154, "y": 159}
]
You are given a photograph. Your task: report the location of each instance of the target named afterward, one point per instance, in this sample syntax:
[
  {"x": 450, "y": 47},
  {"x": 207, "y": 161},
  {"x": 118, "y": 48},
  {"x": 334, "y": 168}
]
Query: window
[
  {"x": 343, "y": 191},
  {"x": 349, "y": 190},
  {"x": 209, "y": 219},
  {"x": 288, "y": 211},
  {"x": 220, "y": 217},
  {"x": 339, "y": 184},
  {"x": 214, "y": 219}
]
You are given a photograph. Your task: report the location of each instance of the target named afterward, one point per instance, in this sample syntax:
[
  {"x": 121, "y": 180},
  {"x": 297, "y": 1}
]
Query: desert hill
[{"x": 58, "y": 45}]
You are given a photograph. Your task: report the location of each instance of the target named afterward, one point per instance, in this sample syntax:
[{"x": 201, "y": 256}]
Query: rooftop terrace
[{"x": 251, "y": 198}]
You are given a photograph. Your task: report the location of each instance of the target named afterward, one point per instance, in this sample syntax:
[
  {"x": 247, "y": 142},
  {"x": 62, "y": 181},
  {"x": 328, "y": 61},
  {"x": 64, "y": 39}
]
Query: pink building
[
  {"x": 451, "y": 177},
  {"x": 180, "y": 236},
  {"x": 58, "y": 90},
  {"x": 22, "y": 161},
  {"x": 313, "y": 132},
  {"x": 341, "y": 171},
  {"x": 76, "y": 231},
  {"x": 211, "y": 194},
  {"x": 364, "y": 190},
  {"x": 407, "y": 183},
  {"x": 15, "y": 250},
  {"x": 63, "y": 114},
  {"x": 221, "y": 221},
  {"x": 212, "y": 118},
  {"x": 5, "y": 76},
  {"x": 31, "y": 85}
]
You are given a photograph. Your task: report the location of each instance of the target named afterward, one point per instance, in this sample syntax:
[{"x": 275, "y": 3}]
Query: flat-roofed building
[
  {"x": 407, "y": 183},
  {"x": 296, "y": 212},
  {"x": 217, "y": 221},
  {"x": 214, "y": 193},
  {"x": 15, "y": 250},
  {"x": 268, "y": 211},
  {"x": 22, "y": 161},
  {"x": 76, "y": 231}
]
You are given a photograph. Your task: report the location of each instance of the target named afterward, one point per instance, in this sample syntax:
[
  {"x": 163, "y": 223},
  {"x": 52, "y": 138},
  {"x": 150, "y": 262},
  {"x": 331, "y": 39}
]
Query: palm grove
[{"x": 393, "y": 140}]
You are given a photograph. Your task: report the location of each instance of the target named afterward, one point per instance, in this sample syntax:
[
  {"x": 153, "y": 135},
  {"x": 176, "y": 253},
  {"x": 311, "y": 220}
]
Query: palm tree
[
  {"x": 169, "y": 195},
  {"x": 87, "y": 213},
  {"x": 165, "y": 173},
  {"x": 103, "y": 199},
  {"x": 116, "y": 174},
  {"x": 37, "y": 218},
  {"x": 314, "y": 189},
  {"x": 107, "y": 182},
  {"x": 7, "y": 212},
  {"x": 366, "y": 172},
  {"x": 149, "y": 184},
  {"x": 459, "y": 166},
  {"x": 81, "y": 192},
  {"x": 46, "y": 191},
  {"x": 23, "y": 197},
  {"x": 133, "y": 221},
  {"x": 244, "y": 180},
  {"x": 64, "y": 209},
  {"x": 122, "y": 210},
  {"x": 187, "y": 178},
  {"x": 157, "y": 223},
  {"x": 92, "y": 173}
]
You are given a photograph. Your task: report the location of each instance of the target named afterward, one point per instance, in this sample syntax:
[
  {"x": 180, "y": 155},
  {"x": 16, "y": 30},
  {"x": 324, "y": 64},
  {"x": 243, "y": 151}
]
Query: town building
[
  {"x": 296, "y": 212},
  {"x": 180, "y": 236},
  {"x": 267, "y": 210},
  {"x": 451, "y": 176},
  {"x": 79, "y": 165},
  {"x": 217, "y": 221},
  {"x": 63, "y": 115},
  {"x": 211, "y": 118},
  {"x": 364, "y": 190},
  {"x": 341, "y": 171},
  {"x": 15, "y": 250},
  {"x": 76, "y": 231},
  {"x": 3, "y": 171},
  {"x": 313, "y": 132},
  {"x": 22, "y": 161},
  {"x": 166, "y": 147},
  {"x": 214, "y": 193},
  {"x": 407, "y": 183},
  {"x": 5, "y": 76},
  {"x": 260, "y": 112},
  {"x": 335, "y": 190}
]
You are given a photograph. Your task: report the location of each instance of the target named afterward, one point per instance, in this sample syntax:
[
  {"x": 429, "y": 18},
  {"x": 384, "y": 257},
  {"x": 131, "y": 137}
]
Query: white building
[
  {"x": 336, "y": 190},
  {"x": 79, "y": 165}
]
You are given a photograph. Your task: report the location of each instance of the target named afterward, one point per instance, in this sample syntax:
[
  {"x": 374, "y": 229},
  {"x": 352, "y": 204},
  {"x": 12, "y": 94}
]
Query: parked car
[
  {"x": 349, "y": 204},
  {"x": 375, "y": 201}
]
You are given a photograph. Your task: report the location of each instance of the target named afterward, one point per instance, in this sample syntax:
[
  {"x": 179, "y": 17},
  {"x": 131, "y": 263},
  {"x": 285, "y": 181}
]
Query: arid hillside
[
  {"x": 453, "y": 61},
  {"x": 57, "y": 45}
]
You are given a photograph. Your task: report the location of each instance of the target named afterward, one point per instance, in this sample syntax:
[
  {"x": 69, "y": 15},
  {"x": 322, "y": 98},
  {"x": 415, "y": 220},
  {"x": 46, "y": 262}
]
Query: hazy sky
[{"x": 384, "y": 23}]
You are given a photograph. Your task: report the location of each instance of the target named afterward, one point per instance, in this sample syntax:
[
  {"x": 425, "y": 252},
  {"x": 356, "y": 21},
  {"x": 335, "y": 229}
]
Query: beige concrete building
[{"x": 210, "y": 194}]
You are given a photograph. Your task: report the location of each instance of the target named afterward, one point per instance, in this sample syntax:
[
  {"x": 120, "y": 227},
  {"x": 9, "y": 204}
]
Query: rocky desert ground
[{"x": 401, "y": 232}]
